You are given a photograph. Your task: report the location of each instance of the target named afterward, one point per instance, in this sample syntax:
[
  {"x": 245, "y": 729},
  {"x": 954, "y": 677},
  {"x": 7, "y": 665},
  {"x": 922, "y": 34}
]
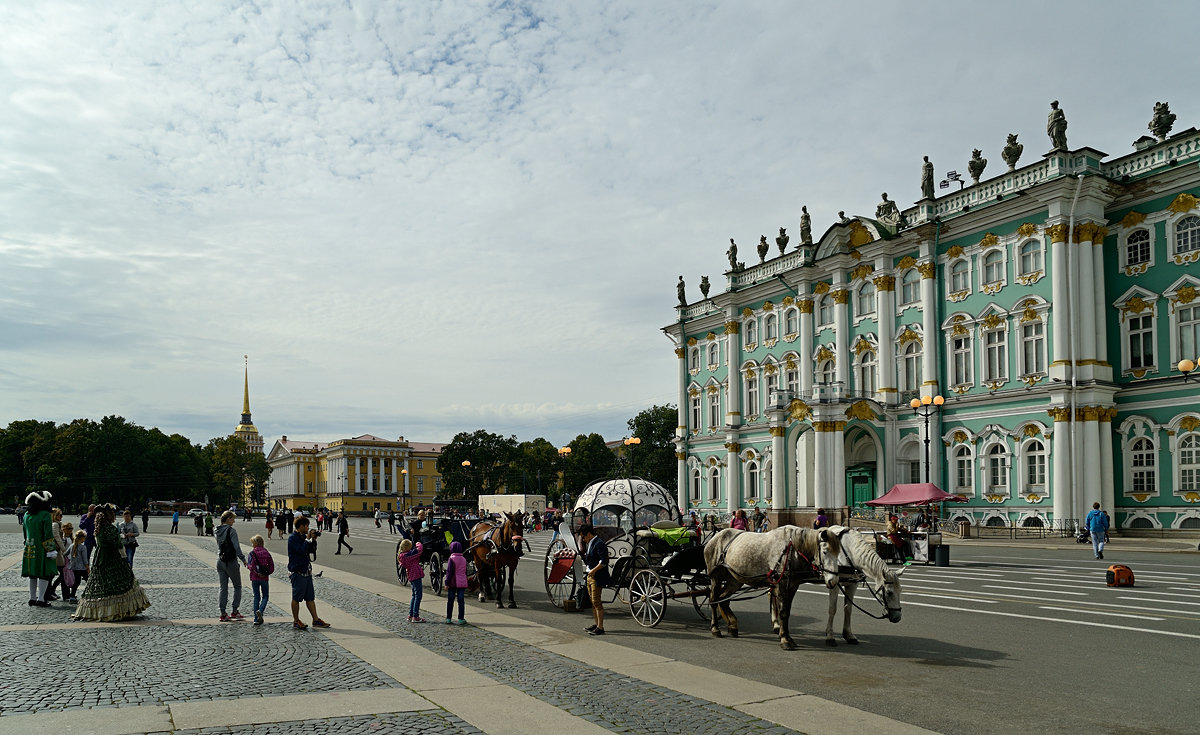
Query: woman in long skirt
[{"x": 112, "y": 592}]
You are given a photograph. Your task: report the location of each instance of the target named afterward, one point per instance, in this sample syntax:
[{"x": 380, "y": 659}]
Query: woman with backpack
[{"x": 229, "y": 565}]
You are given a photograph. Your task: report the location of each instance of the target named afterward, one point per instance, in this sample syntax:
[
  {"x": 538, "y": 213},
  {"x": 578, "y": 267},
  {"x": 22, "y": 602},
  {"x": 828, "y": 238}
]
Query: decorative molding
[
  {"x": 1136, "y": 270},
  {"x": 710, "y": 336},
  {"x": 770, "y": 369},
  {"x": 799, "y": 410},
  {"x": 859, "y": 235},
  {"x": 750, "y": 373},
  {"x": 1189, "y": 423},
  {"x": 769, "y": 343},
  {"x": 680, "y": 352},
  {"x": 1059, "y": 414},
  {"x": 751, "y": 346},
  {"x": 788, "y": 300},
  {"x": 733, "y": 447},
  {"x": 1136, "y": 305},
  {"x": 1185, "y": 295},
  {"x": 1084, "y": 231},
  {"x": 884, "y": 283},
  {"x": 841, "y": 296},
  {"x": 821, "y": 287},
  {"x": 691, "y": 342},
  {"x": 747, "y": 311},
  {"x": 805, "y": 305},
  {"x": 713, "y": 389},
  {"x": 1027, "y": 229},
  {"x": 928, "y": 270},
  {"x": 989, "y": 241},
  {"x": 1132, "y": 218},
  {"x": 1058, "y": 233},
  {"x": 1183, "y": 203},
  {"x": 790, "y": 364},
  {"x": 861, "y": 271},
  {"x": 958, "y": 296},
  {"x": 908, "y": 335},
  {"x": 777, "y": 430},
  {"x": 791, "y": 337},
  {"x": 861, "y": 410},
  {"x": 959, "y": 437},
  {"x": 768, "y": 306},
  {"x": 906, "y": 262},
  {"x": 992, "y": 321},
  {"x": 992, "y": 289},
  {"x": 825, "y": 354},
  {"x": 681, "y": 455},
  {"x": 732, "y": 327},
  {"x": 829, "y": 426},
  {"x": 955, "y": 252},
  {"x": 693, "y": 391},
  {"x": 1028, "y": 279},
  {"x": 1099, "y": 234},
  {"x": 1191, "y": 257},
  {"x": 1033, "y": 379}
]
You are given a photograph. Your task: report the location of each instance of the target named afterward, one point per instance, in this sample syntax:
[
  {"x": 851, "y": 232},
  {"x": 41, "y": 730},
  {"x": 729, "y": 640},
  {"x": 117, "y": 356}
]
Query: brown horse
[{"x": 495, "y": 546}]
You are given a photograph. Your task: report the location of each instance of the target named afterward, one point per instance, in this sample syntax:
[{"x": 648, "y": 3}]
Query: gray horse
[
  {"x": 780, "y": 560},
  {"x": 858, "y": 561}
]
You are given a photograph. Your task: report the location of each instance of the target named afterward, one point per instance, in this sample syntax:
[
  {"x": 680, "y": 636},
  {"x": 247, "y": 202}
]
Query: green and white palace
[{"x": 1047, "y": 316}]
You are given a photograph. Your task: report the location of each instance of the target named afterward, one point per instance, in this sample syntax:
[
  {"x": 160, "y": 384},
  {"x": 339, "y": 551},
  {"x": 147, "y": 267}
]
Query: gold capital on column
[
  {"x": 1058, "y": 233},
  {"x": 841, "y": 296},
  {"x": 884, "y": 283},
  {"x": 731, "y": 327},
  {"x": 680, "y": 352},
  {"x": 806, "y": 306},
  {"x": 681, "y": 455},
  {"x": 1084, "y": 232},
  {"x": 928, "y": 270},
  {"x": 733, "y": 447},
  {"x": 776, "y": 430}
]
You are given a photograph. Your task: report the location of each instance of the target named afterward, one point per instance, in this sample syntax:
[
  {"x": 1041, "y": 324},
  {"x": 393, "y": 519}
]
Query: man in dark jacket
[
  {"x": 595, "y": 558},
  {"x": 343, "y": 532}
]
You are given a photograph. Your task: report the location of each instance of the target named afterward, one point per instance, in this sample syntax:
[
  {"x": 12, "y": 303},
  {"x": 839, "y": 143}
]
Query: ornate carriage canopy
[{"x": 627, "y": 503}]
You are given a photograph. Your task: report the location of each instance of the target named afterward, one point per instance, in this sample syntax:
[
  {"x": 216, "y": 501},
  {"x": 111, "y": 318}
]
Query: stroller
[{"x": 1083, "y": 537}]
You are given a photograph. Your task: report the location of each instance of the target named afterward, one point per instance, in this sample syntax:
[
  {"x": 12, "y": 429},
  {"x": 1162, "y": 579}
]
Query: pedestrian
[
  {"x": 329, "y": 521},
  {"x": 79, "y": 562},
  {"x": 270, "y": 523},
  {"x": 229, "y": 553},
  {"x": 378, "y": 518},
  {"x": 343, "y": 532},
  {"x": 112, "y": 592},
  {"x": 300, "y": 544},
  {"x": 145, "y": 519},
  {"x": 38, "y": 562},
  {"x": 595, "y": 559},
  {"x": 760, "y": 521},
  {"x": 391, "y": 522},
  {"x": 87, "y": 524},
  {"x": 739, "y": 520},
  {"x": 410, "y": 558},
  {"x": 60, "y": 561},
  {"x": 208, "y": 524},
  {"x": 199, "y": 523},
  {"x": 1097, "y": 525},
  {"x": 555, "y": 521},
  {"x": 822, "y": 520},
  {"x": 175, "y": 522},
  {"x": 456, "y": 583},
  {"x": 261, "y": 566},
  {"x": 129, "y": 536}
]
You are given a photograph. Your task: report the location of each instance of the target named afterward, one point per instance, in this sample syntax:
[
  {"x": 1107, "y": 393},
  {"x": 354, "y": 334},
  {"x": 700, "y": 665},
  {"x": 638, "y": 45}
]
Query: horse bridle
[{"x": 858, "y": 577}]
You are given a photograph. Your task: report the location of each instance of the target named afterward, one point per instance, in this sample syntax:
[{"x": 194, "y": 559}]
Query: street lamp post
[
  {"x": 925, "y": 407},
  {"x": 563, "y": 498},
  {"x": 1188, "y": 368},
  {"x": 467, "y": 467}
]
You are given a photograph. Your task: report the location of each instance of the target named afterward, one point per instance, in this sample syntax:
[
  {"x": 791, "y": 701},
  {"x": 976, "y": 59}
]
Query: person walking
[
  {"x": 343, "y": 532},
  {"x": 410, "y": 558},
  {"x": 129, "y": 536},
  {"x": 60, "y": 561},
  {"x": 80, "y": 565},
  {"x": 87, "y": 524},
  {"x": 199, "y": 523},
  {"x": 38, "y": 562},
  {"x": 145, "y": 519},
  {"x": 391, "y": 516},
  {"x": 175, "y": 522},
  {"x": 595, "y": 559},
  {"x": 456, "y": 583},
  {"x": 270, "y": 523},
  {"x": 300, "y": 544},
  {"x": 112, "y": 592},
  {"x": 739, "y": 520},
  {"x": 208, "y": 524},
  {"x": 1097, "y": 525},
  {"x": 378, "y": 518},
  {"x": 261, "y": 566},
  {"x": 229, "y": 554}
]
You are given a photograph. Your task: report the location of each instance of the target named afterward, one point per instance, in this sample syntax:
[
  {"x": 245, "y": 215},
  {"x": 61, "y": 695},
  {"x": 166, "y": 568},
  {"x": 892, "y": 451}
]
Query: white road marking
[
  {"x": 1170, "y": 594},
  {"x": 1142, "y": 599},
  {"x": 1100, "y": 612},
  {"x": 1061, "y": 620},
  {"x": 1011, "y": 587},
  {"x": 950, "y": 597}
]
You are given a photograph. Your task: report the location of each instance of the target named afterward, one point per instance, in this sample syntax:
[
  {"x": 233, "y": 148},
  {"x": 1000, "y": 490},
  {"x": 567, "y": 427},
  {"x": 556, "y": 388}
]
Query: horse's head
[
  {"x": 891, "y": 594},
  {"x": 830, "y": 545},
  {"x": 510, "y": 539}
]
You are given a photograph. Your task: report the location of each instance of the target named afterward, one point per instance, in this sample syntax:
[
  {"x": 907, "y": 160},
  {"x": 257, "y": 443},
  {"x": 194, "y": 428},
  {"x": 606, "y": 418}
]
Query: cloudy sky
[{"x": 420, "y": 218}]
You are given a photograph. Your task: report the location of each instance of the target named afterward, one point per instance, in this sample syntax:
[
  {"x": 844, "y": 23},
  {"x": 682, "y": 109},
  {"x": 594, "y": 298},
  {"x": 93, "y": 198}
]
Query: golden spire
[{"x": 246, "y": 388}]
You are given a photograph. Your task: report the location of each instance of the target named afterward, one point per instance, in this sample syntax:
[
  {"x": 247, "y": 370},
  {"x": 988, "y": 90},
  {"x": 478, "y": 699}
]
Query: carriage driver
[{"x": 595, "y": 558}]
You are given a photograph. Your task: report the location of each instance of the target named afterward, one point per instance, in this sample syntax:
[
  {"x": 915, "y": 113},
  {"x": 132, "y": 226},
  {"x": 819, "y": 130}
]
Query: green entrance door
[{"x": 860, "y": 485}]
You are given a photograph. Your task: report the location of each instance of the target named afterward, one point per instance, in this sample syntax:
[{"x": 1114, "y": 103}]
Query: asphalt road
[{"x": 1005, "y": 640}]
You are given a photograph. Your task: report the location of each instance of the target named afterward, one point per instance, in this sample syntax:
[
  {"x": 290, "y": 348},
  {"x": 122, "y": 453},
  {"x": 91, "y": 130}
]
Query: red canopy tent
[{"x": 918, "y": 493}]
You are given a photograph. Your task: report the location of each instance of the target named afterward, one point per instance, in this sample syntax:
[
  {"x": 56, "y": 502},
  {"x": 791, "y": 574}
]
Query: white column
[
  {"x": 835, "y": 489},
  {"x": 885, "y": 317},
  {"x": 841, "y": 330},
  {"x": 681, "y": 353},
  {"x": 1099, "y": 305},
  {"x": 820, "y": 465},
  {"x": 733, "y": 346},
  {"x": 806, "y": 347},
  {"x": 933, "y": 333},
  {"x": 779, "y": 467},
  {"x": 396, "y": 476},
  {"x": 733, "y": 475},
  {"x": 1085, "y": 296},
  {"x": 1107, "y": 491},
  {"x": 370, "y": 474},
  {"x": 682, "y": 480},
  {"x": 1092, "y": 470},
  {"x": 1060, "y": 311},
  {"x": 1061, "y": 458},
  {"x": 406, "y": 474}
]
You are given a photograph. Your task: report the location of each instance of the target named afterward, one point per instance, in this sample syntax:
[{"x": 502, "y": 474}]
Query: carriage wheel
[
  {"x": 401, "y": 574},
  {"x": 647, "y": 598},
  {"x": 436, "y": 574},
  {"x": 564, "y": 589},
  {"x": 700, "y": 599}
]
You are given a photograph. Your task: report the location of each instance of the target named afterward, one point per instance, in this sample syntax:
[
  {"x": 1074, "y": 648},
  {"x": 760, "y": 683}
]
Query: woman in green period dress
[
  {"x": 112, "y": 592},
  {"x": 38, "y": 562}
]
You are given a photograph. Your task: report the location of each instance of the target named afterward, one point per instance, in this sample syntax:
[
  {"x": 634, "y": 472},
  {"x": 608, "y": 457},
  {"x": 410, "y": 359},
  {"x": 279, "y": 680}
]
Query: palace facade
[
  {"x": 358, "y": 475},
  {"x": 1050, "y": 306}
]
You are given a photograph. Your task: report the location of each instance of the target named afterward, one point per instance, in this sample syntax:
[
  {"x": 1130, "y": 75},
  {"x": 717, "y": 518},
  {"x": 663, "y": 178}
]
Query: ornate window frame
[
  {"x": 751, "y": 389},
  {"x": 902, "y": 347},
  {"x": 987, "y": 454},
  {"x": 693, "y": 360},
  {"x": 714, "y": 483},
  {"x": 750, "y": 334},
  {"x": 994, "y": 321},
  {"x": 713, "y": 352},
  {"x": 1033, "y": 275},
  {"x": 861, "y": 369},
  {"x": 1137, "y": 302},
  {"x": 1173, "y": 222},
  {"x": 791, "y": 316},
  {"x": 1132, "y": 430},
  {"x": 824, "y": 303},
  {"x": 1130, "y": 268},
  {"x": 956, "y": 292},
  {"x": 955, "y": 460},
  {"x": 915, "y": 282},
  {"x": 1184, "y": 427},
  {"x": 770, "y": 330},
  {"x": 712, "y": 395},
  {"x": 993, "y": 287},
  {"x": 1184, "y": 293},
  {"x": 1033, "y": 493},
  {"x": 960, "y": 326},
  {"x": 859, "y": 314}
]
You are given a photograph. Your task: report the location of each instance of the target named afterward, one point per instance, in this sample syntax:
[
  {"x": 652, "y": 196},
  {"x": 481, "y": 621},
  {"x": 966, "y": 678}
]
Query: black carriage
[
  {"x": 435, "y": 549},
  {"x": 653, "y": 559}
]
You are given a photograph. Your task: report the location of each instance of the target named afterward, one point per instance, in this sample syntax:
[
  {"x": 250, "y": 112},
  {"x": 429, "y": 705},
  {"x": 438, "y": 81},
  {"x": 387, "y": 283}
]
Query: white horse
[
  {"x": 780, "y": 560},
  {"x": 858, "y": 561}
]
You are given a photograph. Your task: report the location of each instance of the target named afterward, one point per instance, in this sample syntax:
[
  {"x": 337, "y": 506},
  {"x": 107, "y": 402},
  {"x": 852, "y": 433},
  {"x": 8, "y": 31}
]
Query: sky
[{"x": 423, "y": 218}]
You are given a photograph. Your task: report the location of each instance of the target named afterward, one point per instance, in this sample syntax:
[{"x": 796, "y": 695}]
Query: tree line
[
  {"x": 480, "y": 462},
  {"x": 117, "y": 461}
]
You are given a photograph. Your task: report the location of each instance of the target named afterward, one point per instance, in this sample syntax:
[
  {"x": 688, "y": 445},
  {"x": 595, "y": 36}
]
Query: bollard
[{"x": 941, "y": 556}]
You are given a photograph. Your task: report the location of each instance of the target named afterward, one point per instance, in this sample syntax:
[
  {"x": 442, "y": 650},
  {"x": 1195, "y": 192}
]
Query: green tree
[
  {"x": 535, "y": 468},
  {"x": 590, "y": 460},
  {"x": 490, "y": 457},
  {"x": 654, "y": 458},
  {"x": 258, "y": 472},
  {"x": 228, "y": 458}
]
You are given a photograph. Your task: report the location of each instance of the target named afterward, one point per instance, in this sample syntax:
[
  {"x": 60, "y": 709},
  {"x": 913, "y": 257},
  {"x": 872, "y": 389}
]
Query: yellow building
[{"x": 358, "y": 475}]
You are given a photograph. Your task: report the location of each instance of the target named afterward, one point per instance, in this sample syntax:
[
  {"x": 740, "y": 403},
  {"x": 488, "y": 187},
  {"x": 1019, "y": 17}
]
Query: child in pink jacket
[
  {"x": 456, "y": 582},
  {"x": 410, "y": 558},
  {"x": 261, "y": 567}
]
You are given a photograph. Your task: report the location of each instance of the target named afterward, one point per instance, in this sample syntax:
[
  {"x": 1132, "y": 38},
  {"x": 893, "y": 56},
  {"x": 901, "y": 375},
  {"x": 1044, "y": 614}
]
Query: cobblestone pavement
[
  {"x": 614, "y": 701},
  {"x": 413, "y": 723},
  {"x": 161, "y": 664}
]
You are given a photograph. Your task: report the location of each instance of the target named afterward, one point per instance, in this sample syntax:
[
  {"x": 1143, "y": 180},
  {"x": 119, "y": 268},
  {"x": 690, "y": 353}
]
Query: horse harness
[
  {"x": 849, "y": 574},
  {"x": 779, "y": 572}
]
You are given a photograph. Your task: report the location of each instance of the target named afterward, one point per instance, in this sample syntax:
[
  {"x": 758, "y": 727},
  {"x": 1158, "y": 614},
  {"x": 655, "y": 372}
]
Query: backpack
[
  {"x": 258, "y": 567},
  {"x": 226, "y": 552}
]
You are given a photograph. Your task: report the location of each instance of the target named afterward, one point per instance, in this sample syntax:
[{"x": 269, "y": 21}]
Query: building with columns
[
  {"x": 1051, "y": 307},
  {"x": 359, "y": 475}
]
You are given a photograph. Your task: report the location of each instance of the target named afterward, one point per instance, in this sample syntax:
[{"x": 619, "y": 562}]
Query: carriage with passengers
[{"x": 652, "y": 558}]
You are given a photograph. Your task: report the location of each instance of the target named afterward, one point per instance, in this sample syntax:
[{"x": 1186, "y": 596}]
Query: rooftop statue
[
  {"x": 927, "y": 179},
  {"x": 976, "y": 165},
  {"x": 763, "y": 249},
  {"x": 842, "y": 218},
  {"x": 1056, "y": 128},
  {"x": 1012, "y": 152},
  {"x": 734, "y": 265},
  {"x": 704, "y": 286},
  {"x": 782, "y": 240},
  {"x": 1162, "y": 121},
  {"x": 887, "y": 212},
  {"x": 679, "y": 290},
  {"x": 805, "y": 227}
]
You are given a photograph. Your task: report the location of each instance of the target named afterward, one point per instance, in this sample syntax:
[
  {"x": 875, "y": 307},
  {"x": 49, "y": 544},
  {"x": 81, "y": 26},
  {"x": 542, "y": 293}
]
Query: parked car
[
  {"x": 7, "y": 511},
  {"x": 196, "y": 512}
]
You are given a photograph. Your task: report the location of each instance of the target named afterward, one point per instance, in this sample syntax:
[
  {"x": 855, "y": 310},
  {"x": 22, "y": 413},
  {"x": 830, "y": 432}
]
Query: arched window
[
  {"x": 996, "y": 353},
  {"x": 695, "y": 486},
  {"x": 771, "y": 327},
  {"x": 825, "y": 372},
  {"x": 1187, "y": 234},
  {"x": 910, "y": 287},
  {"x": 714, "y": 484},
  {"x": 958, "y": 276},
  {"x": 1189, "y": 463},
  {"x": 910, "y": 365},
  {"x": 825, "y": 311},
  {"x": 993, "y": 267},
  {"x": 1035, "y": 467},
  {"x": 1137, "y": 247},
  {"x": 1031, "y": 257},
  {"x": 1143, "y": 461},
  {"x": 997, "y": 463},
  {"x": 695, "y": 406},
  {"x": 866, "y": 372},
  {"x": 1187, "y": 319},
  {"x": 791, "y": 321},
  {"x": 750, "y": 332},
  {"x": 752, "y": 396},
  {"x": 752, "y": 480},
  {"x": 865, "y": 302},
  {"x": 694, "y": 359},
  {"x": 714, "y": 409},
  {"x": 964, "y": 471},
  {"x": 714, "y": 355}
]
